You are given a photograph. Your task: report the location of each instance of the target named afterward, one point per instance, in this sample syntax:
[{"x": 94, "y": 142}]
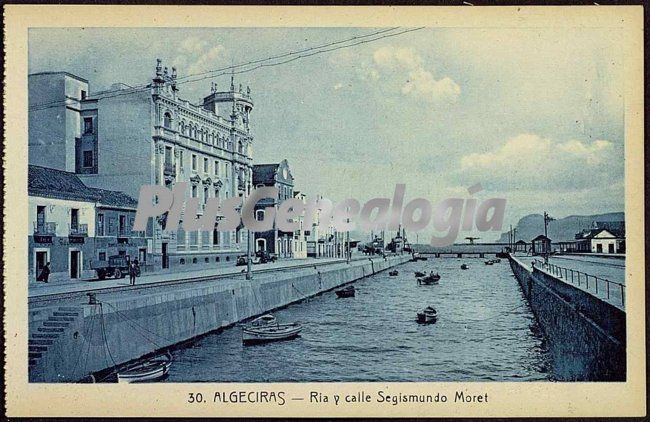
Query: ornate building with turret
[{"x": 126, "y": 137}]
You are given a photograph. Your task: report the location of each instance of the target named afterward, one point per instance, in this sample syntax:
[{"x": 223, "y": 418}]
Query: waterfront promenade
[
  {"x": 62, "y": 287},
  {"x": 590, "y": 274}
]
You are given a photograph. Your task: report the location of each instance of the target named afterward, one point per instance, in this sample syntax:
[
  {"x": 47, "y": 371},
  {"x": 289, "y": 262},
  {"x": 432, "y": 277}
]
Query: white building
[{"x": 127, "y": 137}]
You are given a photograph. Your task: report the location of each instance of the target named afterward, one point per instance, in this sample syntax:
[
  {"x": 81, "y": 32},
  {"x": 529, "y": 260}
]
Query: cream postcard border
[{"x": 505, "y": 399}]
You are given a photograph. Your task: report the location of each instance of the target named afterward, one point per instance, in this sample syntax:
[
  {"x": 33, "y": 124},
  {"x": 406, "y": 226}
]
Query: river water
[{"x": 485, "y": 332}]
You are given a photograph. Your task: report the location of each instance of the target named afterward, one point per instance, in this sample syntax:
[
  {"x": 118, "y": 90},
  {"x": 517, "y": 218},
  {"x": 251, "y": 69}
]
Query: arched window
[
  {"x": 240, "y": 147},
  {"x": 167, "y": 120}
]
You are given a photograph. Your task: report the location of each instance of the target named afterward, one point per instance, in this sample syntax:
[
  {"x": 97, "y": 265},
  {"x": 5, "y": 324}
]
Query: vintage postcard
[{"x": 324, "y": 211}]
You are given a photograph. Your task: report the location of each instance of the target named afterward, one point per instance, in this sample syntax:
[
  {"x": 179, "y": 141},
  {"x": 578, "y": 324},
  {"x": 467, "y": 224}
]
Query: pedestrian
[
  {"x": 133, "y": 270},
  {"x": 45, "y": 273}
]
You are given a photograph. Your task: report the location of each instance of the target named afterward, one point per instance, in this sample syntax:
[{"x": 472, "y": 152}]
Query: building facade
[
  {"x": 277, "y": 175},
  {"x": 75, "y": 227},
  {"x": 127, "y": 137}
]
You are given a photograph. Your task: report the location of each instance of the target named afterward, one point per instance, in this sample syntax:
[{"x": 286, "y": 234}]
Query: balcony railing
[
  {"x": 78, "y": 229},
  {"x": 123, "y": 232},
  {"x": 169, "y": 169},
  {"x": 45, "y": 229}
]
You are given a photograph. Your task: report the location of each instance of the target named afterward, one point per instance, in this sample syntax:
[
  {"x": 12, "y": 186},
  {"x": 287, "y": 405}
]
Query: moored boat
[
  {"x": 427, "y": 316},
  {"x": 266, "y": 328},
  {"x": 419, "y": 274},
  {"x": 464, "y": 267},
  {"x": 393, "y": 273},
  {"x": 430, "y": 279},
  {"x": 489, "y": 262},
  {"x": 150, "y": 370},
  {"x": 346, "y": 292}
]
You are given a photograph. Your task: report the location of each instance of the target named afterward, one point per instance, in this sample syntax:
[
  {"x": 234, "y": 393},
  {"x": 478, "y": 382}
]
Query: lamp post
[{"x": 547, "y": 218}]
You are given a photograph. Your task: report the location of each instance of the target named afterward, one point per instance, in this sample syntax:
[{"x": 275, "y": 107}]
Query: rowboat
[
  {"x": 266, "y": 328},
  {"x": 393, "y": 273},
  {"x": 427, "y": 316},
  {"x": 419, "y": 274},
  {"x": 347, "y": 292},
  {"x": 150, "y": 370},
  {"x": 464, "y": 267},
  {"x": 430, "y": 279},
  {"x": 489, "y": 262}
]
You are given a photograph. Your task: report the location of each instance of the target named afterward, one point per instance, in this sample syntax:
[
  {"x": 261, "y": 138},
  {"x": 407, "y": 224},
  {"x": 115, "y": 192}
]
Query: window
[
  {"x": 194, "y": 162},
  {"x": 88, "y": 159},
  {"x": 40, "y": 216},
  {"x": 194, "y": 192},
  {"x": 122, "y": 225},
  {"x": 216, "y": 168},
  {"x": 168, "y": 156},
  {"x": 206, "y": 194},
  {"x": 206, "y": 166},
  {"x": 88, "y": 125},
  {"x": 83, "y": 94},
  {"x": 102, "y": 256},
  {"x": 74, "y": 218},
  {"x": 100, "y": 224},
  {"x": 215, "y": 237},
  {"x": 259, "y": 215},
  {"x": 180, "y": 158},
  {"x": 167, "y": 120}
]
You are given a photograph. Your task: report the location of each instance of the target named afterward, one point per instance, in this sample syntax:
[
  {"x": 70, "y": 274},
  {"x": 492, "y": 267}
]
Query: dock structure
[
  {"x": 72, "y": 336},
  {"x": 585, "y": 327}
]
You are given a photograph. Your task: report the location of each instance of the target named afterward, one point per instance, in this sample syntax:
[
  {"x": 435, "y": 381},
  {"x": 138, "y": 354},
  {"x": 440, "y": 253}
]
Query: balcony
[
  {"x": 169, "y": 169},
  {"x": 78, "y": 229},
  {"x": 44, "y": 229},
  {"x": 124, "y": 232}
]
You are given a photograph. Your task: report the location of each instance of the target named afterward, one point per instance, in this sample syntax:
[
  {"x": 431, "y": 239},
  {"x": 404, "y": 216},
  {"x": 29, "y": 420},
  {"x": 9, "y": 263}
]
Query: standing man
[
  {"x": 133, "y": 270},
  {"x": 45, "y": 273}
]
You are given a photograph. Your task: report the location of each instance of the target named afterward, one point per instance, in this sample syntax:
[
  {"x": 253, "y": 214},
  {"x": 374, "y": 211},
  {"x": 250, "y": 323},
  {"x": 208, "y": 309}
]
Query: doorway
[
  {"x": 165, "y": 257},
  {"x": 40, "y": 261},
  {"x": 75, "y": 261}
]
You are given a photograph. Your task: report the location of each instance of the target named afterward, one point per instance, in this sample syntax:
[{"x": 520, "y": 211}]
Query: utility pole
[{"x": 249, "y": 258}]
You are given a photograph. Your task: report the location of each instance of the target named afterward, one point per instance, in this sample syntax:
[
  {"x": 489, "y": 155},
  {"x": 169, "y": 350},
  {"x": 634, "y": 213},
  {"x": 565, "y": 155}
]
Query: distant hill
[{"x": 562, "y": 229}]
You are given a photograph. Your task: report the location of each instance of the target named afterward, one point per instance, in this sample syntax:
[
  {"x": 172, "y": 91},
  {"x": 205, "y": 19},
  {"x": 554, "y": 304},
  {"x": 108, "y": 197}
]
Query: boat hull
[
  {"x": 276, "y": 333},
  {"x": 148, "y": 373}
]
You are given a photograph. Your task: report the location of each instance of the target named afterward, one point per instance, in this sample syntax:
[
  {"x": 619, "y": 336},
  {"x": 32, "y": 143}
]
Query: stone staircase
[{"x": 49, "y": 331}]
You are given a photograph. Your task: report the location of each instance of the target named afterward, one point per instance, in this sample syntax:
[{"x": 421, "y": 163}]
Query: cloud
[
  {"x": 406, "y": 66},
  {"x": 196, "y": 55},
  {"x": 531, "y": 162}
]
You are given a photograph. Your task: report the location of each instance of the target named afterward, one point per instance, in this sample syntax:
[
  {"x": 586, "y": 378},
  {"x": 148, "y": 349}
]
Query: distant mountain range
[{"x": 560, "y": 230}]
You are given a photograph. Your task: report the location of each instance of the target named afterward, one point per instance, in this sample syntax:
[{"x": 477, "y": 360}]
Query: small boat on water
[
  {"x": 393, "y": 273},
  {"x": 430, "y": 279},
  {"x": 419, "y": 274},
  {"x": 150, "y": 370},
  {"x": 496, "y": 261},
  {"x": 346, "y": 292},
  {"x": 489, "y": 262},
  {"x": 427, "y": 316},
  {"x": 464, "y": 267},
  {"x": 266, "y": 328},
  {"x": 418, "y": 257}
]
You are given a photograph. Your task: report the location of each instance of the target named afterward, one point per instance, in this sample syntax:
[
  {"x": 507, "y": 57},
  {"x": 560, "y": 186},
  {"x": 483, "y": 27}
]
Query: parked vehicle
[
  {"x": 260, "y": 257},
  {"x": 117, "y": 266}
]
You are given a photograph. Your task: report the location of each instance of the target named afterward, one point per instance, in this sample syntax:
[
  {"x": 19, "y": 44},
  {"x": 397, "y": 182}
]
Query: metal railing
[
  {"x": 45, "y": 229},
  {"x": 78, "y": 229},
  {"x": 586, "y": 281}
]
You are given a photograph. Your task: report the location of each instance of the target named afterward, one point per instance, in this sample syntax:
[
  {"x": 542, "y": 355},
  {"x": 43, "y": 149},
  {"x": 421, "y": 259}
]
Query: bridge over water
[{"x": 460, "y": 250}]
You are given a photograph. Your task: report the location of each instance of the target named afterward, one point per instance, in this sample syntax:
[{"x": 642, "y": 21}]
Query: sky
[{"x": 536, "y": 116}]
